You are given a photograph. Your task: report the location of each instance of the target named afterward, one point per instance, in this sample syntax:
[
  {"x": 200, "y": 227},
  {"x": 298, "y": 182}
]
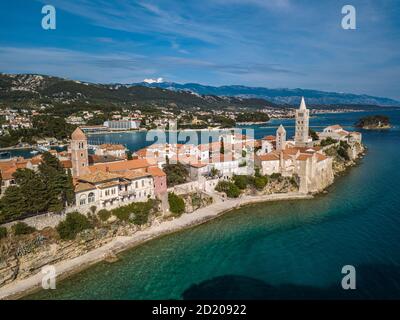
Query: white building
[
  {"x": 115, "y": 150},
  {"x": 107, "y": 190},
  {"x": 121, "y": 125}
]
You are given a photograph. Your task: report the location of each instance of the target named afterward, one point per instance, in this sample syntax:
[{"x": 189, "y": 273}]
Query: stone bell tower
[
  {"x": 302, "y": 125},
  {"x": 280, "y": 138},
  {"x": 79, "y": 153}
]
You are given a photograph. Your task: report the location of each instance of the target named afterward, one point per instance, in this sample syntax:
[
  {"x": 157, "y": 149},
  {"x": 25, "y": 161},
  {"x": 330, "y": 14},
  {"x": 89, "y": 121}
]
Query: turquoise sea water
[{"x": 276, "y": 250}]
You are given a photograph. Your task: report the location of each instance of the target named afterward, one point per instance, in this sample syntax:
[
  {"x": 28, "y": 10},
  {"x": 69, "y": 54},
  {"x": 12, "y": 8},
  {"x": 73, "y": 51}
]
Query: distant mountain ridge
[
  {"x": 26, "y": 90},
  {"x": 278, "y": 96},
  {"x": 32, "y": 89}
]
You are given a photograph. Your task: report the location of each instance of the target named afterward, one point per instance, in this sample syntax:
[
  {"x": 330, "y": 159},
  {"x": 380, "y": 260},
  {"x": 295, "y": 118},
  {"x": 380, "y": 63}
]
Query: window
[
  {"x": 82, "y": 200},
  {"x": 91, "y": 197},
  {"x": 142, "y": 183},
  {"x": 81, "y": 154},
  {"x": 107, "y": 192},
  {"x": 136, "y": 184}
]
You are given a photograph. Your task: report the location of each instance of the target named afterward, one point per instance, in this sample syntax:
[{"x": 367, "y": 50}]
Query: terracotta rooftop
[
  {"x": 112, "y": 147},
  {"x": 99, "y": 176},
  {"x": 84, "y": 186},
  {"x": 269, "y": 138},
  {"x": 121, "y": 165},
  {"x": 156, "y": 172},
  {"x": 108, "y": 184},
  {"x": 135, "y": 174},
  {"x": 272, "y": 156},
  {"x": 304, "y": 157}
]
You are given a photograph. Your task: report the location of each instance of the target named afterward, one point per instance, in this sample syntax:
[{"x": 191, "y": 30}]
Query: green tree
[
  {"x": 176, "y": 174},
  {"x": 313, "y": 135},
  {"x": 230, "y": 189},
  {"x": 59, "y": 183},
  {"x": 328, "y": 141},
  {"x": 12, "y": 203},
  {"x": 72, "y": 225},
  {"x": 176, "y": 204},
  {"x": 129, "y": 155},
  {"x": 241, "y": 181},
  {"x": 104, "y": 214},
  {"x": 33, "y": 191},
  {"x": 260, "y": 182}
]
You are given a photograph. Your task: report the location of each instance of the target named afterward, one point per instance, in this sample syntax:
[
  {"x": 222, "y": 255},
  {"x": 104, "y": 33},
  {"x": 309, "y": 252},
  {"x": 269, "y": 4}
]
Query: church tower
[
  {"x": 302, "y": 125},
  {"x": 280, "y": 138},
  {"x": 79, "y": 153}
]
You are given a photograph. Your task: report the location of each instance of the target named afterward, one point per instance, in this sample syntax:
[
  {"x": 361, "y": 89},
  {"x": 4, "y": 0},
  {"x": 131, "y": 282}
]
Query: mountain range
[
  {"x": 278, "y": 96},
  {"x": 68, "y": 96}
]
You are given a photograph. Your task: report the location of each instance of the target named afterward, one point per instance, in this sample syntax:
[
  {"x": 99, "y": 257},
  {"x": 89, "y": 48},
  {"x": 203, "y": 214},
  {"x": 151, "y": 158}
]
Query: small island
[{"x": 377, "y": 122}]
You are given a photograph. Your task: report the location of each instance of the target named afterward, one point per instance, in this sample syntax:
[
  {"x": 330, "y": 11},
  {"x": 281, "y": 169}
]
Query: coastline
[{"x": 66, "y": 268}]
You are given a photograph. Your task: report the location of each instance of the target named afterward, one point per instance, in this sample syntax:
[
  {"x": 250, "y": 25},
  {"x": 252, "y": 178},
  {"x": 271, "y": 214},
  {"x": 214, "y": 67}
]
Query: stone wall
[{"x": 42, "y": 221}]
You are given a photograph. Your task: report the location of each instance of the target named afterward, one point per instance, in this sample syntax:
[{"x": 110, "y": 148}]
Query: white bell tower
[{"x": 302, "y": 125}]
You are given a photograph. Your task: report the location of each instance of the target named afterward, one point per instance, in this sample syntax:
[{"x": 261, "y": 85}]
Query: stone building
[
  {"x": 302, "y": 138},
  {"x": 79, "y": 153}
]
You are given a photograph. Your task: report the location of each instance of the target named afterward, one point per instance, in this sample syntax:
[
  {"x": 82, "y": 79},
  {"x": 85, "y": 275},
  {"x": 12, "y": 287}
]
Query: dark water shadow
[{"x": 373, "y": 282}]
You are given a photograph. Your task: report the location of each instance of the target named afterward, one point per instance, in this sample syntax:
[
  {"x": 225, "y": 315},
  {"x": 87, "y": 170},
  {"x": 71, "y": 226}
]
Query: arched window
[
  {"x": 91, "y": 197},
  {"x": 82, "y": 200}
]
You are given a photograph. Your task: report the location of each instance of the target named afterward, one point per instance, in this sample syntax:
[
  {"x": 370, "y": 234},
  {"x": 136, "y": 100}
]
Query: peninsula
[{"x": 101, "y": 203}]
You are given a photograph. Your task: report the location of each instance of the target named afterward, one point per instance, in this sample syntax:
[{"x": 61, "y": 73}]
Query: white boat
[{"x": 34, "y": 152}]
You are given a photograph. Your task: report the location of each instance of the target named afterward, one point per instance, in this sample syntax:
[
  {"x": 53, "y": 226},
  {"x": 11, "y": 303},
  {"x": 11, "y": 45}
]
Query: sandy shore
[{"x": 66, "y": 268}]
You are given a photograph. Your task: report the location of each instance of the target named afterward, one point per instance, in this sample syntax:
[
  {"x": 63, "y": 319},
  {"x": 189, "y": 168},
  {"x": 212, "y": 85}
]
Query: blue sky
[{"x": 269, "y": 43}]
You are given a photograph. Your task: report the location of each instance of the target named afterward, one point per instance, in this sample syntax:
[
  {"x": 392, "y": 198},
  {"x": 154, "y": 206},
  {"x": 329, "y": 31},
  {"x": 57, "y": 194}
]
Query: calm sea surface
[{"x": 275, "y": 250}]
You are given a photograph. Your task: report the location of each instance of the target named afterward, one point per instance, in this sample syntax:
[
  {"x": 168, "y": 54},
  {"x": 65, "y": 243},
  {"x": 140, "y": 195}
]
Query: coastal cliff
[{"x": 345, "y": 156}]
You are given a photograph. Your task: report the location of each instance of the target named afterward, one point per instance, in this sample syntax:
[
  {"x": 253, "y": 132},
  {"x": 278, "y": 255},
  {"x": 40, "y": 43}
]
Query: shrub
[
  {"x": 328, "y": 141},
  {"x": 176, "y": 204},
  {"x": 104, "y": 214},
  {"x": 233, "y": 191},
  {"x": 141, "y": 212},
  {"x": 93, "y": 209},
  {"x": 73, "y": 224},
  {"x": 137, "y": 212},
  {"x": 22, "y": 228},
  {"x": 342, "y": 152},
  {"x": 275, "y": 176},
  {"x": 260, "y": 182},
  {"x": 3, "y": 232},
  {"x": 241, "y": 182},
  {"x": 122, "y": 213},
  {"x": 230, "y": 189}
]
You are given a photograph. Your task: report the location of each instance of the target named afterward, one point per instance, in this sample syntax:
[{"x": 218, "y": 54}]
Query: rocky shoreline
[
  {"x": 90, "y": 248},
  {"x": 21, "y": 258}
]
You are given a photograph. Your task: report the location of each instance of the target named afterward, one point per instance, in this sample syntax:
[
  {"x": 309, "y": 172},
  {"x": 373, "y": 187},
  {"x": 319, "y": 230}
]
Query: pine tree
[
  {"x": 33, "y": 190},
  {"x": 11, "y": 204},
  {"x": 59, "y": 184}
]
